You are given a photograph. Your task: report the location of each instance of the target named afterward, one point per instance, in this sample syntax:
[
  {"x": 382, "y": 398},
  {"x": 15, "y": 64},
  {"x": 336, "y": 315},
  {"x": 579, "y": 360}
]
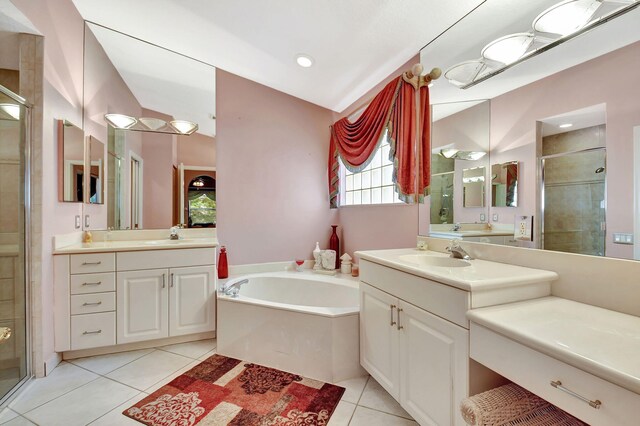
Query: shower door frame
[
  {"x": 541, "y": 165},
  {"x": 26, "y": 128}
]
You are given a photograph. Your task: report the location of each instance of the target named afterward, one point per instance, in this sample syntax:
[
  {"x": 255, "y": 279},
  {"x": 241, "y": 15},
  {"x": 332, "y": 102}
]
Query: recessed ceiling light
[
  {"x": 565, "y": 125},
  {"x": 305, "y": 61},
  {"x": 566, "y": 17},
  {"x": 508, "y": 49}
]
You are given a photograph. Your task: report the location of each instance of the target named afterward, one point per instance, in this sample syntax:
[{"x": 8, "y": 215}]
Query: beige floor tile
[
  {"x": 208, "y": 354},
  {"x": 64, "y": 378},
  {"x": 342, "y": 414},
  {"x": 191, "y": 349},
  {"x": 7, "y": 414},
  {"x": 367, "y": 417},
  {"x": 19, "y": 421},
  {"x": 374, "y": 396},
  {"x": 149, "y": 369},
  {"x": 166, "y": 380},
  {"x": 353, "y": 388},
  {"x": 82, "y": 405},
  {"x": 115, "y": 416},
  {"x": 103, "y": 364}
]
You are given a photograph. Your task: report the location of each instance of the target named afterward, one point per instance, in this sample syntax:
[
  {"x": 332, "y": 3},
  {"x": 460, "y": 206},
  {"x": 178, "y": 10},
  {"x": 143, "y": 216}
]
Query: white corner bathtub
[{"x": 299, "y": 322}]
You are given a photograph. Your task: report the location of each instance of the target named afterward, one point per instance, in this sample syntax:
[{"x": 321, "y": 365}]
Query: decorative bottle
[
  {"x": 223, "y": 267},
  {"x": 334, "y": 244}
]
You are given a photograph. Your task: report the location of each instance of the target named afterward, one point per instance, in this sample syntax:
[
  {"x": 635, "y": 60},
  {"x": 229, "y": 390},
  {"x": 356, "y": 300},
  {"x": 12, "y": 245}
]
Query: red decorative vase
[
  {"x": 223, "y": 267},
  {"x": 334, "y": 244}
]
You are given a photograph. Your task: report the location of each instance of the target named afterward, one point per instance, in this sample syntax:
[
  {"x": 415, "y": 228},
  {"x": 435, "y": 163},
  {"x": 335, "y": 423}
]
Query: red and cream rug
[{"x": 226, "y": 391}]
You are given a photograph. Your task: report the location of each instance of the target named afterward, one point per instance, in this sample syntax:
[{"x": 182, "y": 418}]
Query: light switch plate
[
  {"x": 482, "y": 217},
  {"x": 622, "y": 238},
  {"x": 495, "y": 217},
  {"x": 87, "y": 221},
  {"x": 78, "y": 223}
]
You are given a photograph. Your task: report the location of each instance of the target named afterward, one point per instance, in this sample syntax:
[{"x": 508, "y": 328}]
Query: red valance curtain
[{"x": 392, "y": 110}]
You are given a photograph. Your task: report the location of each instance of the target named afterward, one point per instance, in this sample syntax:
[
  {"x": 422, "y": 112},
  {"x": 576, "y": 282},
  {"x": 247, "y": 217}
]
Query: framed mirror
[
  {"x": 95, "y": 171},
  {"x": 71, "y": 178},
  {"x": 504, "y": 184},
  {"x": 539, "y": 109},
  {"x": 147, "y": 177}
]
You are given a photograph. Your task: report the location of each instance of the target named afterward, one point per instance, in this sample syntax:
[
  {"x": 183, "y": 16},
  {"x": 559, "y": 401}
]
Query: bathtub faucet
[{"x": 234, "y": 288}]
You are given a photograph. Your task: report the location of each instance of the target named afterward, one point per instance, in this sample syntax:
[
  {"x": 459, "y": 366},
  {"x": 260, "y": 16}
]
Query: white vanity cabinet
[
  {"x": 112, "y": 298},
  {"x": 420, "y": 358}
]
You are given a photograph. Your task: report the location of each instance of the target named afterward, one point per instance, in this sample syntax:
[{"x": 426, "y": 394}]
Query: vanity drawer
[
  {"x": 162, "y": 259},
  {"x": 92, "y": 303},
  {"x": 93, "y": 330},
  {"x": 535, "y": 371},
  {"x": 93, "y": 283},
  {"x": 445, "y": 301},
  {"x": 93, "y": 262}
]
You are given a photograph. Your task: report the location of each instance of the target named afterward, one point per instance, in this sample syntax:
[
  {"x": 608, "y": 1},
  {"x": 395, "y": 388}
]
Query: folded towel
[{"x": 546, "y": 416}]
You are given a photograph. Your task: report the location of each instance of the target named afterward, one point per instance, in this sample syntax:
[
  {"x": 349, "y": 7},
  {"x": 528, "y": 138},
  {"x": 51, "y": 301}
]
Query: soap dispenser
[{"x": 316, "y": 257}]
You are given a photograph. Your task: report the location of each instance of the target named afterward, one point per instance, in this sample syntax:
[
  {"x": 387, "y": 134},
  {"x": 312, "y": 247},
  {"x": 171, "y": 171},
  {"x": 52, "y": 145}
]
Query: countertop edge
[
  {"x": 141, "y": 247},
  {"x": 545, "y": 347}
]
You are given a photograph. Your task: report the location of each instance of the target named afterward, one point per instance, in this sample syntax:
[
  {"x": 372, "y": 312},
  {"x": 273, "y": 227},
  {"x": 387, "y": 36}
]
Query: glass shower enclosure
[{"x": 14, "y": 243}]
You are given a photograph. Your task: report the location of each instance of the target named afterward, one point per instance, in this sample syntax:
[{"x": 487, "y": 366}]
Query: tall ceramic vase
[{"x": 334, "y": 244}]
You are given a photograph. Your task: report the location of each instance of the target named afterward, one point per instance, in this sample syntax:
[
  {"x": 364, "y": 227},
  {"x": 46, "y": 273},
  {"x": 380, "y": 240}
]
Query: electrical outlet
[
  {"x": 482, "y": 217},
  {"x": 87, "y": 221},
  {"x": 495, "y": 217},
  {"x": 620, "y": 238},
  {"x": 524, "y": 228},
  {"x": 78, "y": 223}
]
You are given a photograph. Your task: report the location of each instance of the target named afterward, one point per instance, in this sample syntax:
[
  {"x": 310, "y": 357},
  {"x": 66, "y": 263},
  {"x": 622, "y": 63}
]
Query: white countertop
[
  {"x": 599, "y": 341},
  {"x": 480, "y": 275},
  {"x": 136, "y": 245},
  {"x": 470, "y": 233}
]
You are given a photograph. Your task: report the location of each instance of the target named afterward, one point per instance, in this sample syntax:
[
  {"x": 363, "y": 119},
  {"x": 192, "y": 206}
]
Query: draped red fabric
[{"x": 394, "y": 108}]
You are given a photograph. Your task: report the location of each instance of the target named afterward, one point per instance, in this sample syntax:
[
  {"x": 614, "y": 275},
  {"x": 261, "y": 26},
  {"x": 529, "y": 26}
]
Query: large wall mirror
[
  {"x": 564, "y": 128},
  {"x": 154, "y": 177}
]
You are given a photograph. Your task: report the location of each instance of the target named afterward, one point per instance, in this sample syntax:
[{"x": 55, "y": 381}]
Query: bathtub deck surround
[
  {"x": 414, "y": 334},
  {"x": 294, "y": 321},
  {"x": 125, "y": 294}
]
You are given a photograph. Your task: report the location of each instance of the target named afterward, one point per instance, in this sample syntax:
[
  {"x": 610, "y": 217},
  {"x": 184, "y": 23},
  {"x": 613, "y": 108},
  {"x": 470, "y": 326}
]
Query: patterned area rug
[{"x": 226, "y": 391}]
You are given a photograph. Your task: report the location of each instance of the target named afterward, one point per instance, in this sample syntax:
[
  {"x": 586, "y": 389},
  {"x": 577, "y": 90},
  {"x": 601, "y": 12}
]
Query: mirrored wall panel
[
  {"x": 504, "y": 184},
  {"x": 71, "y": 177},
  {"x": 95, "y": 171}
]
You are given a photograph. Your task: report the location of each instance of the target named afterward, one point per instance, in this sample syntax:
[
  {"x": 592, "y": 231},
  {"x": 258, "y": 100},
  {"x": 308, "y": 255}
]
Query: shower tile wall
[
  {"x": 573, "y": 192},
  {"x": 441, "y": 189}
]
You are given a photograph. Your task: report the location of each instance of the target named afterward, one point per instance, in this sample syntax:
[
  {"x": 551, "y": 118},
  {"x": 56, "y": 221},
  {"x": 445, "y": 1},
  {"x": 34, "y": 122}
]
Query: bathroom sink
[{"x": 427, "y": 260}]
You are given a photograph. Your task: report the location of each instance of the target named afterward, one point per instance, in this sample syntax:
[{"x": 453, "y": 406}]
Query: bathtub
[{"x": 299, "y": 322}]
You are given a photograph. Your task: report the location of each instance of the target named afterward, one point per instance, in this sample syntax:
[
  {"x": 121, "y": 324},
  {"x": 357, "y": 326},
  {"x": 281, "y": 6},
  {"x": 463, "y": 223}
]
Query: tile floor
[{"x": 95, "y": 390}]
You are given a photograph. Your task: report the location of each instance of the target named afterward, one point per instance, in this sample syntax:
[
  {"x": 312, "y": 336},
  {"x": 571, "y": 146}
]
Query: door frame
[
  {"x": 636, "y": 193},
  {"x": 139, "y": 196},
  {"x": 182, "y": 168}
]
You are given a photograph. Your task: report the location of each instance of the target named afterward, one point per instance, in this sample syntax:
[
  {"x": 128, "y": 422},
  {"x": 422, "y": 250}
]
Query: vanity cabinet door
[
  {"x": 433, "y": 357},
  {"x": 142, "y": 305},
  {"x": 379, "y": 337},
  {"x": 192, "y": 300}
]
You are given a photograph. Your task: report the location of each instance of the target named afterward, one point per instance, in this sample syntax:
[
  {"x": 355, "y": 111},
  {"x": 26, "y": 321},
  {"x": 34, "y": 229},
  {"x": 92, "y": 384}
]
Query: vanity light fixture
[
  {"x": 566, "y": 17},
  {"x": 11, "y": 110},
  {"x": 508, "y": 49},
  {"x": 120, "y": 121},
  {"x": 565, "y": 125},
  {"x": 184, "y": 127},
  {"x": 153, "y": 123},
  {"x": 198, "y": 183},
  {"x": 305, "y": 61},
  {"x": 465, "y": 72},
  {"x": 448, "y": 152},
  {"x": 462, "y": 155}
]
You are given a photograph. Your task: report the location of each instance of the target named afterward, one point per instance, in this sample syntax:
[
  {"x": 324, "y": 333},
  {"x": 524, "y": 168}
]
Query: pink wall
[
  {"x": 272, "y": 171},
  {"x": 158, "y": 154},
  {"x": 62, "y": 27},
  {"x": 197, "y": 150},
  {"x": 607, "y": 79},
  {"x": 378, "y": 227}
]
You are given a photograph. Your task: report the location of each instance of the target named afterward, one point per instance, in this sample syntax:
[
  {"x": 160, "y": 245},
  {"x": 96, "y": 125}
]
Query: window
[{"x": 373, "y": 185}]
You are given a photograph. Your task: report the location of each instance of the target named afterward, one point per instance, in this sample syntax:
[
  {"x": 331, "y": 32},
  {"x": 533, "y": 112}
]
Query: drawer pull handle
[
  {"x": 399, "y": 326},
  {"x": 392, "y": 321},
  {"x": 558, "y": 385},
  {"x": 171, "y": 280},
  {"x": 163, "y": 281},
  {"x": 92, "y": 332},
  {"x": 99, "y": 262},
  {"x": 91, "y": 304},
  {"x": 96, "y": 283}
]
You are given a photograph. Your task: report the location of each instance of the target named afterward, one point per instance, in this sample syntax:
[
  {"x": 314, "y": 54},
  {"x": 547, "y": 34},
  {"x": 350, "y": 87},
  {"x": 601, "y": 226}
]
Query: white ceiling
[
  {"x": 13, "y": 21},
  {"x": 355, "y": 43},
  {"x": 580, "y": 119},
  {"x": 466, "y": 39},
  {"x": 162, "y": 80}
]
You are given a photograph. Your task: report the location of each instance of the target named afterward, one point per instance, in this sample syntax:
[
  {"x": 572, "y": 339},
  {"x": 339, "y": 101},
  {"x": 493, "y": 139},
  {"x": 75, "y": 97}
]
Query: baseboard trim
[
  {"x": 52, "y": 363},
  {"x": 137, "y": 345}
]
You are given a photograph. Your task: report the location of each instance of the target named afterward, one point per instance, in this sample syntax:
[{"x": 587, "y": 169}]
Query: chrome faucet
[
  {"x": 233, "y": 288},
  {"x": 458, "y": 252},
  {"x": 456, "y": 227},
  {"x": 175, "y": 234}
]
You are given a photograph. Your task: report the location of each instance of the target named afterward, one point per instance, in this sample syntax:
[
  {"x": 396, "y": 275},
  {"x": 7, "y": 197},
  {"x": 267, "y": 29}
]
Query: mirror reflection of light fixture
[
  {"x": 10, "y": 110},
  {"x": 566, "y": 17},
  {"x": 198, "y": 183},
  {"x": 455, "y": 154},
  {"x": 120, "y": 121},
  {"x": 153, "y": 123},
  {"x": 509, "y": 48},
  {"x": 183, "y": 126}
]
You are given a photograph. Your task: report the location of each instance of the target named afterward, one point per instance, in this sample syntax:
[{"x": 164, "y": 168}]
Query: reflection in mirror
[
  {"x": 70, "y": 162},
  {"x": 504, "y": 184},
  {"x": 96, "y": 171},
  {"x": 473, "y": 183},
  {"x": 146, "y": 185},
  {"x": 442, "y": 182}
]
